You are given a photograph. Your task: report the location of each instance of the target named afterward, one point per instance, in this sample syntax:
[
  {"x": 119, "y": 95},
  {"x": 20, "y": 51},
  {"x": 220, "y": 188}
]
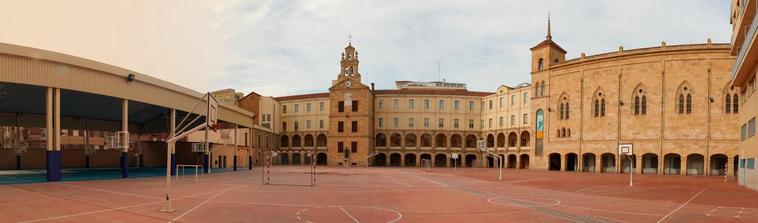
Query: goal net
[
  {"x": 426, "y": 164},
  {"x": 278, "y": 172}
]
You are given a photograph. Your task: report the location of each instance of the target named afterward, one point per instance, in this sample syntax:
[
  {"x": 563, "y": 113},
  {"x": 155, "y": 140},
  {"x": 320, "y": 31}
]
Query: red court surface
[{"x": 387, "y": 195}]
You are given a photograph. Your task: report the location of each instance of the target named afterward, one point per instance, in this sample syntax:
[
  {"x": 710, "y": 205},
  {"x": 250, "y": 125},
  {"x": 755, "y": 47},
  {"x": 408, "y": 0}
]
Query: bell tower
[
  {"x": 349, "y": 64},
  {"x": 547, "y": 53}
]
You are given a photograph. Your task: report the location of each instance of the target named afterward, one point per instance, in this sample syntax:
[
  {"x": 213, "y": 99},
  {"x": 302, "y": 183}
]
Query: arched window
[
  {"x": 728, "y": 104},
  {"x": 602, "y": 107},
  {"x": 564, "y": 108},
  {"x": 540, "y": 64},
  {"x": 640, "y": 101},
  {"x": 568, "y": 132},
  {"x": 542, "y": 88},
  {"x": 735, "y": 104},
  {"x": 731, "y": 101},
  {"x": 685, "y": 99},
  {"x": 599, "y": 105}
]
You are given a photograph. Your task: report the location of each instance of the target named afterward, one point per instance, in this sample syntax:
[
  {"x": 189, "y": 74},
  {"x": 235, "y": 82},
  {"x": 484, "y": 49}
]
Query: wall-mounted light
[
  {"x": 710, "y": 99},
  {"x": 549, "y": 109},
  {"x": 130, "y": 77},
  {"x": 621, "y": 103}
]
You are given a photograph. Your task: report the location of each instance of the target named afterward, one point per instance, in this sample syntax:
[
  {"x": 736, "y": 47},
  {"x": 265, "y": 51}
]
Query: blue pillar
[
  {"x": 53, "y": 165},
  {"x": 206, "y": 161},
  {"x": 173, "y": 164},
  {"x": 250, "y": 162},
  {"x": 124, "y": 164},
  {"x": 234, "y": 164}
]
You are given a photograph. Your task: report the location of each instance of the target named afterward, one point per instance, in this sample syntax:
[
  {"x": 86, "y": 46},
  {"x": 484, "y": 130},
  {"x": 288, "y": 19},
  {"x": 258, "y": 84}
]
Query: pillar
[
  {"x": 661, "y": 161},
  {"x": 518, "y": 161},
  {"x": 706, "y": 166},
  {"x": 729, "y": 167},
  {"x": 234, "y": 160},
  {"x": 564, "y": 163},
  {"x": 171, "y": 147},
  {"x": 638, "y": 164},
  {"x": 402, "y": 158},
  {"x": 683, "y": 166},
  {"x": 579, "y": 163},
  {"x": 207, "y": 154},
  {"x": 125, "y": 140},
  {"x": 598, "y": 163},
  {"x": 250, "y": 149},
  {"x": 618, "y": 163},
  {"x": 52, "y": 126}
]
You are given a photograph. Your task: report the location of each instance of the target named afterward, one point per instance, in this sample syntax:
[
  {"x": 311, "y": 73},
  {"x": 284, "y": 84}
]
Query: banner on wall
[{"x": 539, "y": 132}]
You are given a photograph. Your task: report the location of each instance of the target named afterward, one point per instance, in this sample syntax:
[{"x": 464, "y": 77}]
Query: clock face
[{"x": 348, "y": 83}]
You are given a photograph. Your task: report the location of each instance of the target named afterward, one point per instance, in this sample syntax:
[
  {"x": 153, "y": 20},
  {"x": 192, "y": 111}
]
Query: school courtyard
[{"x": 385, "y": 195}]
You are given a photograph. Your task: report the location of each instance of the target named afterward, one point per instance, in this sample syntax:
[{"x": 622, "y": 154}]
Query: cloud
[{"x": 293, "y": 47}]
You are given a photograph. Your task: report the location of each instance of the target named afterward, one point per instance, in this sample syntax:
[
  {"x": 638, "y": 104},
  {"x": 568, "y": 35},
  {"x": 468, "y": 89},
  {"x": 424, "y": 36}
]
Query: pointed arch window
[
  {"x": 685, "y": 100},
  {"x": 542, "y": 88},
  {"x": 540, "y": 64},
  {"x": 564, "y": 108},
  {"x": 599, "y": 105},
  {"x": 640, "y": 101},
  {"x": 735, "y": 104},
  {"x": 731, "y": 101}
]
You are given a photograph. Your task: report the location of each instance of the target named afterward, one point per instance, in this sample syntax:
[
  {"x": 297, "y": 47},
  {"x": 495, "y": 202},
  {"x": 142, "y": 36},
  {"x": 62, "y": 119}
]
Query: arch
[
  {"x": 395, "y": 159},
  {"x": 410, "y": 140},
  {"x": 296, "y": 142},
  {"x": 564, "y": 106},
  {"x": 456, "y": 141},
  {"x": 296, "y": 159},
  {"x": 511, "y": 164},
  {"x": 396, "y": 140},
  {"x": 542, "y": 88},
  {"x": 456, "y": 162},
  {"x": 718, "y": 165},
  {"x": 735, "y": 166},
  {"x": 380, "y": 159},
  {"x": 380, "y": 140},
  {"x": 598, "y": 103},
  {"x": 512, "y": 139},
  {"x": 588, "y": 162},
  {"x": 639, "y": 98},
  {"x": 523, "y": 161},
  {"x": 684, "y": 94},
  {"x": 284, "y": 158},
  {"x": 308, "y": 140},
  {"x": 554, "y": 162},
  {"x": 649, "y": 163},
  {"x": 321, "y": 159},
  {"x": 490, "y": 141},
  {"x": 672, "y": 164},
  {"x": 426, "y": 156},
  {"x": 625, "y": 163},
  {"x": 490, "y": 162},
  {"x": 321, "y": 140},
  {"x": 608, "y": 163},
  {"x": 440, "y": 160},
  {"x": 285, "y": 141},
  {"x": 470, "y": 160},
  {"x": 410, "y": 159},
  {"x": 426, "y": 140},
  {"x": 525, "y": 138},
  {"x": 440, "y": 140},
  {"x": 540, "y": 64},
  {"x": 572, "y": 161},
  {"x": 500, "y": 140},
  {"x": 470, "y": 141},
  {"x": 695, "y": 164}
]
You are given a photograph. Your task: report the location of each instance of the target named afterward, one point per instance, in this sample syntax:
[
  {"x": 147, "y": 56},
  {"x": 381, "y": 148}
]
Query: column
[
  {"x": 564, "y": 163},
  {"x": 250, "y": 150},
  {"x": 518, "y": 161},
  {"x": 706, "y": 166},
  {"x": 598, "y": 164},
  {"x": 618, "y": 163},
  {"x": 206, "y": 154},
  {"x": 580, "y": 163},
  {"x": 52, "y": 126},
  {"x": 661, "y": 161},
  {"x": 683, "y": 170},
  {"x": 402, "y": 159},
  {"x": 171, "y": 147},
  {"x": 638, "y": 165},
  {"x": 125, "y": 138},
  {"x": 729, "y": 167},
  {"x": 234, "y": 160}
]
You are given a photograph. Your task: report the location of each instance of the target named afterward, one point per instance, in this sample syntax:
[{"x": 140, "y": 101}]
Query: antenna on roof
[{"x": 439, "y": 68}]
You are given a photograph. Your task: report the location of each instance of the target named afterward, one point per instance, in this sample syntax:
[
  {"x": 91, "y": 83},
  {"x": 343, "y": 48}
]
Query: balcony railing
[{"x": 749, "y": 36}]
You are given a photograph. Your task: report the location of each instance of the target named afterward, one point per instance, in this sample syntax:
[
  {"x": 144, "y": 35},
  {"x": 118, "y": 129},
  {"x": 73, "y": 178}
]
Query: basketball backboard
[
  {"x": 626, "y": 149},
  {"x": 212, "y": 115}
]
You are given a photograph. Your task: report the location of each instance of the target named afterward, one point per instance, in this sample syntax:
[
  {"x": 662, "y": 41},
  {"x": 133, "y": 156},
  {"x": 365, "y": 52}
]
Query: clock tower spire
[{"x": 349, "y": 62}]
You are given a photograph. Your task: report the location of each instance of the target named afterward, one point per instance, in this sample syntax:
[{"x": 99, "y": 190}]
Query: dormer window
[{"x": 541, "y": 64}]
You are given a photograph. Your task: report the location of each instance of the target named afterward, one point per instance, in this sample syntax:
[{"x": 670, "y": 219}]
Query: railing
[{"x": 749, "y": 36}]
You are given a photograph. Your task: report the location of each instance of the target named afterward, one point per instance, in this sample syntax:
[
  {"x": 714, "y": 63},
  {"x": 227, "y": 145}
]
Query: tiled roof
[
  {"x": 434, "y": 92},
  {"x": 302, "y": 96}
]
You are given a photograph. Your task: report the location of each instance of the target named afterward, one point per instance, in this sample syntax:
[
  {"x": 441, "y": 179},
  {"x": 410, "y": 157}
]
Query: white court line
[
  {"x": 110, "y": 191},
  {"x": 203, "y": 203},
  {"x": 681, "y": 206},
  {"x": 399, "y": 215},
  {"x": 424, "y": 178},
  {"x": 348, "y": 214}
]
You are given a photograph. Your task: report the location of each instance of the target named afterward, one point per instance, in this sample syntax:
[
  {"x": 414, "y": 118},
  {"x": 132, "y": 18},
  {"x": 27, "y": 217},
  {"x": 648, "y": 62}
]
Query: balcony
[{"x": 747, "y": 55}]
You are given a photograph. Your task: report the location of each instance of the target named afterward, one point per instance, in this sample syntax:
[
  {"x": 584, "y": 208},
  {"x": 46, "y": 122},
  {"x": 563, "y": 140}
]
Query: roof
[
  {"x": 548, "y": 41},
  {"x": 434, "y": 92},
  {"x": 302, "y": 96}
]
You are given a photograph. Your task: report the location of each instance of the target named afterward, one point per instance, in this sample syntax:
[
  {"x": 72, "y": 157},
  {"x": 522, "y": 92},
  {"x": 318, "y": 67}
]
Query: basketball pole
[{"x": 631, "y": 171}]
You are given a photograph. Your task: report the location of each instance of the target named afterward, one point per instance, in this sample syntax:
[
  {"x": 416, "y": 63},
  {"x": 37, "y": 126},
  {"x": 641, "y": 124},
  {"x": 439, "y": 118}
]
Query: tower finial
[
  {"x": 350, "y": 39},
  {"x": 549, "y": 34}
]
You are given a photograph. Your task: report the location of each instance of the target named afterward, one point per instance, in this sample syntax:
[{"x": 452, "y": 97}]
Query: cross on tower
[{"x": 350, "y": 39}]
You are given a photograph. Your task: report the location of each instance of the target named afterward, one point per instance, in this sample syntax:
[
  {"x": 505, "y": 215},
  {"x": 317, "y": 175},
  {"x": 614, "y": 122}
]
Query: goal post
[
  {"x": 626, "y": 150},
  {"x": 268, "y": 162}
]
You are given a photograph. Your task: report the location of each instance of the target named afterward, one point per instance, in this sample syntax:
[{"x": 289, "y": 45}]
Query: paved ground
[{"x": 386, "y": 195}]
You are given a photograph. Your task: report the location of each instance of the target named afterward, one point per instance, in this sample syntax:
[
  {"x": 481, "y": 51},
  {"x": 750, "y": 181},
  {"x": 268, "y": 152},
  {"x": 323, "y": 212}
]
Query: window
[
  {"x": 751, "y": 128},
  {"x": 297, "y": 126},
  {"x": 598, "y": 105},
  {"x": 471, "y": 123},
  {"x": 284, "y": 109},
  {"x": 490, "y": 105},
  {"x": 750, "y": 164},
  {"x": 307, "y": 124},
  {"x": 340, "y": 147},
  {"x": 685, "y": 100},
  {"x": 411, "y": 104},
  {"x": 426, "y": 122},
  {"x": 354, "y": 126},
  {"x": 396, "y": 103},
  {"x": 513, "y": 100},
  {"x": 396, "y": 122},
  {"x": 455, "y": 123},
  {"x": 526, "y": 118},
  {"x": 735, "y": 104},
  {"x": 355, "y": 106},
  {"x": 410, "y": 122},
  {"x": 441, "y": 123},
  {"x": 297, "y": 108},
  {"x": 542, "y": 88},
  {"x": 481, "y": 123},
  {"x": 501, "y": 101},
  {"x": 526, "y": 97},
  {"x": 321, "y": 106},
  {"x": 381, "y": 103},
  {"x": 441, "y": 104},
  {"x": 564, "y": 109},
  {"x": 321, "y": 124},
  {"x": 457, "y": 105},
  {"x": 381, "y": 122},
  {"x": 426, "y": 104},
  {"x": 489, "y": 123},
  {"x": 540, "y": 64},
  {"x": 640, "y": 102},
  {"x": 471, "y": 105},
  {"x": 513, "y": 120},
  {"x": 500, "y": 122},
  {"x": 353, "y": 147},
  {"x": 341, "y": 106},
  {"x": 308, "y": 107},
  {"x": 340, "y": 126},
  {"x": 284, "y": 126},
  {"x": 743, "y": 132},
  {"x": 481, "y": 106}
]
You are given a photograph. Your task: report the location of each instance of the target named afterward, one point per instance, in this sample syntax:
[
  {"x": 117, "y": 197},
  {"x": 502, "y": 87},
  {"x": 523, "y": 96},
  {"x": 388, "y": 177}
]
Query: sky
[{"x": 278, "y": 48}]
